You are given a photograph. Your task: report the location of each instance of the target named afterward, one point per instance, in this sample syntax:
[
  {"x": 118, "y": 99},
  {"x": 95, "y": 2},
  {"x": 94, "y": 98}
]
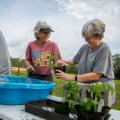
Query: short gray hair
[{"x": 94, "y": 28}]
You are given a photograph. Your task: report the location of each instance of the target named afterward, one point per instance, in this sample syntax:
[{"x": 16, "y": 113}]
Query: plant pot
[
  {"x": 60, "y": 68},
  {"x": 62, "y": 108},
  {"x": 105, "y": 111},
  {"x": 49, "y": 109},
  {"x": 90, "y": 115}
]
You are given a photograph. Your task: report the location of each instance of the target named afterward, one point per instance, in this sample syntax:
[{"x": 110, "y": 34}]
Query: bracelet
[{"x": 76, "y": 77}]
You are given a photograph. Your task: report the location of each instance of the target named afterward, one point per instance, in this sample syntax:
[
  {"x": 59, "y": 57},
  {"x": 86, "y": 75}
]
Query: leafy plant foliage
[
  {"x": 72, "y": 91},
  {"x": 94, "y": 95}
]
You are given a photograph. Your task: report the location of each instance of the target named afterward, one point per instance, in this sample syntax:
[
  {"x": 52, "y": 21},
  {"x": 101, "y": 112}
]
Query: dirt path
[{"x": 16, "y": 69}]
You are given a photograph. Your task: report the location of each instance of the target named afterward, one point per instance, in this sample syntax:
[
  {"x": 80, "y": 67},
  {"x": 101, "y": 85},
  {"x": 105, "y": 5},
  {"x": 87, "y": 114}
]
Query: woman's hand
[
  {"x": 64, "y": 76},
  {"x": 30, "y": 67}
]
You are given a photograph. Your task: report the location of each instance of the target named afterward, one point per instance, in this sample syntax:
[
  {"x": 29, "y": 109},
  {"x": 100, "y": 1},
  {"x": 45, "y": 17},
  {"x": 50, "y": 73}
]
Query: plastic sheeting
[{"x": 5, "y": 64}]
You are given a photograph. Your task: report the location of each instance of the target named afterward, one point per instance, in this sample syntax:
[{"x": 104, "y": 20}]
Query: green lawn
[
  {"x": 58, "y": 90},
  {"x": 117, "y": 103}
]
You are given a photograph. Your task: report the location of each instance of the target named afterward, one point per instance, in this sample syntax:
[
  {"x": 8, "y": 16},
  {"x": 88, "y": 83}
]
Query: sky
[{"x": 67, "y": 17}]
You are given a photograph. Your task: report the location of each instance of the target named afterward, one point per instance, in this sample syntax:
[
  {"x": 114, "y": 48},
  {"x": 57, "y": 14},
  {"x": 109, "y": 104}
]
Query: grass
[
  {"x": 21, "y": 73},
  {"x": 117, "y": 103},
  {"x": 58, "y": 90}
]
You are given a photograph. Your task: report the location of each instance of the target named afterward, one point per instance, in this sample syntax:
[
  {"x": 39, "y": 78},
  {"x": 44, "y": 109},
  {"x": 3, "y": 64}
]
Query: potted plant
[{"x": 92, "y": 106}]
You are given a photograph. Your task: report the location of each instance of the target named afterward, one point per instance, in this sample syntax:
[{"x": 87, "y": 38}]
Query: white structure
[{"x": 5, "y": 64}]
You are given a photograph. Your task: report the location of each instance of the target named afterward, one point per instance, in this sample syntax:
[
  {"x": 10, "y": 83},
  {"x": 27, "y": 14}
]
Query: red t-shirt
[{"x": 38, "y": 55}]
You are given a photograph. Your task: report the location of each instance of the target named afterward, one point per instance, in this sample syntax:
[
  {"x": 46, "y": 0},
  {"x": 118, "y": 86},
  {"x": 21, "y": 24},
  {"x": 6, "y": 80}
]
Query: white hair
[{"x": 93, "y": 27}]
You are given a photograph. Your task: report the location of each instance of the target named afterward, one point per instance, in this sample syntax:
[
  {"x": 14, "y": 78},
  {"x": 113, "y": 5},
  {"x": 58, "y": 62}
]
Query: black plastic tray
[
  {"x": 57, "y": 110},
  {"x": 60, "y": 111}
]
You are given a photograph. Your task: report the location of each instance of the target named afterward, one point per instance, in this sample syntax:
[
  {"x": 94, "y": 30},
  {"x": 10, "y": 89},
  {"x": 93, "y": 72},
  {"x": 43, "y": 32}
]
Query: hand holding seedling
[{"x": 63, "y": 75}]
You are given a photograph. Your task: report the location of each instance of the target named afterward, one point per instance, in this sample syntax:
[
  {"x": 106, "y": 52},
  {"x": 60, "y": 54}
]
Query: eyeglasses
[{"x": 89, "y": 38}]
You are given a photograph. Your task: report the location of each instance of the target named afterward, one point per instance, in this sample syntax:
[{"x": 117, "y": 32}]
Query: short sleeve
[
  {"x": 104, "y": 63},
  {"x": 28, "y": 53}
]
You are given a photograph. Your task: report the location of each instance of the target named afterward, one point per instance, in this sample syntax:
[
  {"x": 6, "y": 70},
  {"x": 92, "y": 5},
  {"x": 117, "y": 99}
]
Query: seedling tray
[
  {"x": 49, "y": 109},
  {"x": 56, "y": 110}
]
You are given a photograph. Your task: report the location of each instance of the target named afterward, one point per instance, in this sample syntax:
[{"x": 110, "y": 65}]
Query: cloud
[
  {"x": 67, "y": 18},
  {"x": 84, "y": 10}
]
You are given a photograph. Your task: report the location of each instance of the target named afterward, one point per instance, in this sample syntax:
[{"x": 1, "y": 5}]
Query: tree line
[{"x": 17, "y": 62}]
